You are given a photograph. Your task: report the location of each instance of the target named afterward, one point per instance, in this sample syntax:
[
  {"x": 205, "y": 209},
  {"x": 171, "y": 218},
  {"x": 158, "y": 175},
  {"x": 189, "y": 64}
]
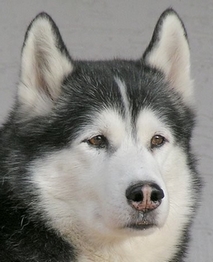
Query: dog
[{"x": 96, "y": 159}]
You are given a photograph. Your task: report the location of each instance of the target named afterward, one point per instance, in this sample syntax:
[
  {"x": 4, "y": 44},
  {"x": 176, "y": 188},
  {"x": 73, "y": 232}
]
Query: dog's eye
[
  {"x": 157, "y": 141},
  {"x": 99, "y": 141}
]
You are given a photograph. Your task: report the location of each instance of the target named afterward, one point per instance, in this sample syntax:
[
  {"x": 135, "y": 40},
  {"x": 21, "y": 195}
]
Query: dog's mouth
[
  {"x": 142, "y": 222},
  {"x": 143, "y": 225}
]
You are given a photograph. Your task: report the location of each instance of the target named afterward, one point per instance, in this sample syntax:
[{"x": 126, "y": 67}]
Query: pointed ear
[
  {"x": 44, "y": 65},
  {"x": 168, "y": 52}
]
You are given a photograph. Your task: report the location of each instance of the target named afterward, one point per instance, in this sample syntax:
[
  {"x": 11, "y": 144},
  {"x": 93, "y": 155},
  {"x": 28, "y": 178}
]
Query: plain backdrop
[{"x": 96, "y": 29}]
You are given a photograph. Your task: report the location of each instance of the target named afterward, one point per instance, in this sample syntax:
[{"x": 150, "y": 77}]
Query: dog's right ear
[{"x": 44, "y": 65}]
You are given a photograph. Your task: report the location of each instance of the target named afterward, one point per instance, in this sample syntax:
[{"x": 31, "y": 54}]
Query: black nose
[{"x": 145, "y": 196}]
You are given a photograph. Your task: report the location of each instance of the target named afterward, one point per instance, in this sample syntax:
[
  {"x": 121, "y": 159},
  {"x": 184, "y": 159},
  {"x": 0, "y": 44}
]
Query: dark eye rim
[
  {"x": 164, "y": 140},
  {"x": 102, "y": 141}
]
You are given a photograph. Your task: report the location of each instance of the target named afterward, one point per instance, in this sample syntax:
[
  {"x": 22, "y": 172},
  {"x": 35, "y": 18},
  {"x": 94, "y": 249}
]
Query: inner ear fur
[{"x": 169, "y": 52}]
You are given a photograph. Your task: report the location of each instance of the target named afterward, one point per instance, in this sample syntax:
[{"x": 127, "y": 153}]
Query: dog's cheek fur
[
  {"x": 63, "y": 183},
  {"x": 70, "y": 181}
]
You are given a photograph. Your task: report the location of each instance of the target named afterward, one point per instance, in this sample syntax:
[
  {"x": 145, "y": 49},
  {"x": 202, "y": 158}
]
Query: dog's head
[{"x": 107, "y": 141}]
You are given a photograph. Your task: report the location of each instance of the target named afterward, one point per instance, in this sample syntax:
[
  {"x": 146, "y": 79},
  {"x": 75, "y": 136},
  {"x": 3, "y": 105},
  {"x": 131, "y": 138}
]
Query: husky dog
[{"x": 96, "y": 162}]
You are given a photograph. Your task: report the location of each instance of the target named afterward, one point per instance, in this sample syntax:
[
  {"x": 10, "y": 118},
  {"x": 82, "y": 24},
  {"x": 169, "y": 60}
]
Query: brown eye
[
  {"x": 157, "y": 141},
  {"x": 99, "y": 141}
]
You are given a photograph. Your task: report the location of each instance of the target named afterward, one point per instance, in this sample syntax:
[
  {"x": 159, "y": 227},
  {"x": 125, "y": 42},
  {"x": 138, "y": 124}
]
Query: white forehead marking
[{"x": 122, "y": 88}]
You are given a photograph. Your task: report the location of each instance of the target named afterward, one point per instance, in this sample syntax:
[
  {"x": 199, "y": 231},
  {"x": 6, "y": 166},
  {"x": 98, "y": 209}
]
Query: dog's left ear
[
  {"x": 168, "y": 52},
  {"x": 45, "y": 63}
]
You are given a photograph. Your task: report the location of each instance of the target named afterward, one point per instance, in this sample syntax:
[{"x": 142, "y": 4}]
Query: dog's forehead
[
  {"x": 116, "y": 83},
  {"x": 125, "y": 87},
  {"x": 128, "y": 86}
]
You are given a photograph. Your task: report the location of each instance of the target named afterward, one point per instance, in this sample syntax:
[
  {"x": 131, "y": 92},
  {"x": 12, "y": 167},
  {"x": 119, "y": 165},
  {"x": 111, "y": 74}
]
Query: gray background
[{"x": 111, "y": 28}]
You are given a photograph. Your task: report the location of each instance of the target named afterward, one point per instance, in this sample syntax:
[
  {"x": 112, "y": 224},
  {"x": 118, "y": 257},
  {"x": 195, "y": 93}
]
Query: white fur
[
  {"x": 122, "y": 89},
  {"x": 171, "y": 55},
  {"x": 43, "y": 68},
  {"x": 82, "y": 190}
]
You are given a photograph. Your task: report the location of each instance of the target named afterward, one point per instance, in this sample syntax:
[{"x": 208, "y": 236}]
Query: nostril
[
  {"x": 157, "y": 195},
  {"x": 137, "y": 197},
  {"x": 135, "y": 194}
]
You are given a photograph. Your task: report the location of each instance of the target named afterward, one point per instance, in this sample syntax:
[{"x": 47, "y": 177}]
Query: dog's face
[
  {"x": 118, "y": 144},
  {"x": 111, "y": 155}
]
